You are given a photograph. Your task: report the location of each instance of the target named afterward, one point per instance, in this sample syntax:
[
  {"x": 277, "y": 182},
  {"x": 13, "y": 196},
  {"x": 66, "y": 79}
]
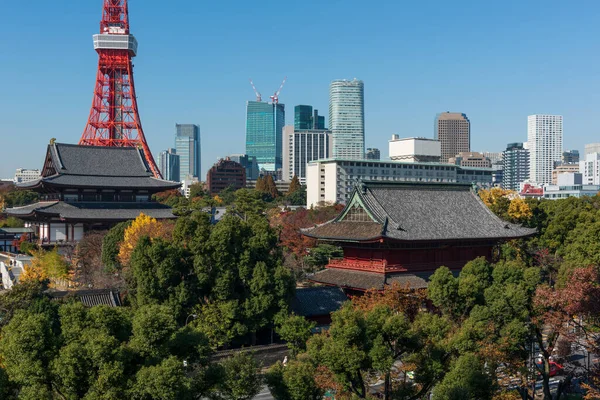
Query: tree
[
  {"x": 295, "y": 330},
  {"x": 89, "y": 269},
  {"x": 294, "y": 185},
  {"x": 161, "y": 274},
  {"x": 142, "y": 226},
  {"x": 293, "y": 381},
  {"x": 165, "y": 381},
  {"x": 11, "y": 222},
  {"x": 18, "y": 198},
  {"x": 260, "y": 185},
  {"x": 297, "y": 198},
  {"x": 111, "y": 243},
  {"x": 241, "y": 378},
  {"x": 197, "y": 190},
  {"x": 46, "y": 265},
  {"x": 28, "y": 344},
  {"x": 467, "y": 380},
  {"x": 270, "y": 187},
  {"x": 153, "y": 327}
]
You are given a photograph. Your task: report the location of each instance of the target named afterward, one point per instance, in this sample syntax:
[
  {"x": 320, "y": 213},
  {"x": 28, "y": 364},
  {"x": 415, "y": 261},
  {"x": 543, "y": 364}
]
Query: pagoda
[
  {"x": 90, "y": 188},
  {"x": 402, "y": 232}
]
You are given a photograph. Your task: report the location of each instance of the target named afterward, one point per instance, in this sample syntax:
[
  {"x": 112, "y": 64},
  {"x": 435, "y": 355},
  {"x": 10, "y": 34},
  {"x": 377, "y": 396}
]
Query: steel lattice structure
[{"x": 114, "y": 119}]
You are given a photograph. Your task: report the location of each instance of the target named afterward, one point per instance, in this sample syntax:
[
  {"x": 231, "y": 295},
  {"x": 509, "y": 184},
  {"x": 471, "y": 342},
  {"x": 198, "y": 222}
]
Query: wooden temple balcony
[{"x": 382, "y": 266}]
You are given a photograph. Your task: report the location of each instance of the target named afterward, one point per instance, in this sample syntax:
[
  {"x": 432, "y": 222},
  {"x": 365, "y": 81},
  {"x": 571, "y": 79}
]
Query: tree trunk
[{"x": 387, "y": 387}]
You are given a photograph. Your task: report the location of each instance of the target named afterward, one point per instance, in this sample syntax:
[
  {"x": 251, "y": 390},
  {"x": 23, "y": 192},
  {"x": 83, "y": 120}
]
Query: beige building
[
  {"x": 562, "y": 169},
  {"x": 453, "y": 130},
  {"x": 471, "y": 159}
]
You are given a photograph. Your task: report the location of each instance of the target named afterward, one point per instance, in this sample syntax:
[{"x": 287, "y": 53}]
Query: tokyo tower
[{"x": 114, "y": 119}]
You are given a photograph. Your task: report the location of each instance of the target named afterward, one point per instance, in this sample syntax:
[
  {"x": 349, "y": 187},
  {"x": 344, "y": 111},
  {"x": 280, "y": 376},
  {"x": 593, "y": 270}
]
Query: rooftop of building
[
  {"x": 402, "y": 211},
  {"x": 399, "y": 139},
  {"x": 317, "y": 301},
  {"x": 68, "y": 165},
  {"x": 429, "y": 164},
  {"x": 91, "y": 297},
  {"x": 92, "y": 211}
]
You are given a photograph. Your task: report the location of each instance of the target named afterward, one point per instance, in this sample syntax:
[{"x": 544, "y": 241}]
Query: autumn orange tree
[{"x": 142, "y": 226}]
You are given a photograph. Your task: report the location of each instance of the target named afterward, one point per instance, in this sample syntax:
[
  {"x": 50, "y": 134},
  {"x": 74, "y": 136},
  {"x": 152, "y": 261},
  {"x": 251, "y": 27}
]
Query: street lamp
[{"x": 191, "y": 315}]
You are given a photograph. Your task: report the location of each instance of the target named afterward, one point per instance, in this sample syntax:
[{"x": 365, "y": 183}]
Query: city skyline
[{"x": 396, "y": 101}]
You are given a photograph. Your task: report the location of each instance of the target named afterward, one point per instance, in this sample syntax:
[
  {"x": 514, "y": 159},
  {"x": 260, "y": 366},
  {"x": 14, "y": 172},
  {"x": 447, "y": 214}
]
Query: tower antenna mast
[{"x": 114, "y": 119}]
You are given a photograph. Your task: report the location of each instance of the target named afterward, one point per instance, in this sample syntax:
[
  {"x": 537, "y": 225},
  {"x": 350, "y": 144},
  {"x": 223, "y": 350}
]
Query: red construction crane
[
  {"x": 275, "y": 97},
  {"x": 114, "y": 119},
  {"x": 258, "y": 96}
]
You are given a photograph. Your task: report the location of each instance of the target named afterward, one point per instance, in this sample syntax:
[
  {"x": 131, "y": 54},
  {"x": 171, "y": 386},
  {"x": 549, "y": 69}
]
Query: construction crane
[
  {"x": 275, "y": 97},
  {"x": 258, "y": 96}
]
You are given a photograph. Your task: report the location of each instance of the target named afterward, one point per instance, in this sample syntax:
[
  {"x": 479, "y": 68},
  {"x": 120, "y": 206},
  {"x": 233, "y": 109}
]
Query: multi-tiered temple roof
[
  {"x": 90, "y": 187},
  {"x": 401, "y": 232}
]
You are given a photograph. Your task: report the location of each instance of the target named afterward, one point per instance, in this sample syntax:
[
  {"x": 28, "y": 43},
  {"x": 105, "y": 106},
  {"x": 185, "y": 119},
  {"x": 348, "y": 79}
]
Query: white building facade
[
  {"x": 569, "y": 185},
  {"x": 347, "y": 118},
  {"x": 332, "y": 181},
  {"x": 415, "y": 149},
  {"x": 23, "y": 175},
  {"x": 302, "y": 146},
  {"x": 545, "y": 142},
  {"x": 590, "y": 169}
]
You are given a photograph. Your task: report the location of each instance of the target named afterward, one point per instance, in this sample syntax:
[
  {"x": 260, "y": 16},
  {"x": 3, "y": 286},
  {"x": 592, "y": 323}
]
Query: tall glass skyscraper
[
  {"x": 307, "y": 118},
  {"x": 264, "y": 129},
  {"x": 347, "y": 118},
  {"x": 187, "y": 145}
]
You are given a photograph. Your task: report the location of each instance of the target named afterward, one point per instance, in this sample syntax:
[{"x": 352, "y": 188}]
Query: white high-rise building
[
  {"x": 545, "y": 142},
  {"x": 347, "y": 118},
  {"x": 301, "y": 147}
]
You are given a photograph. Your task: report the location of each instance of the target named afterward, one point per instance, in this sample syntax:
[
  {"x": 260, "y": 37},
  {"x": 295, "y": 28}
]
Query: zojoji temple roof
[
  {"x": 74, "y": 166},
  {"x": 90, "y": 211},
  {"x": 403, "y": 211}
]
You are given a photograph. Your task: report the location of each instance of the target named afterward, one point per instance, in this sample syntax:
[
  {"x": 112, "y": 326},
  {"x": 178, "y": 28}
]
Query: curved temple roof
[
  {"x": 91, "y": 211},
  {"x": 416, "y": 212},
  {"x": 68, "y": 165}
]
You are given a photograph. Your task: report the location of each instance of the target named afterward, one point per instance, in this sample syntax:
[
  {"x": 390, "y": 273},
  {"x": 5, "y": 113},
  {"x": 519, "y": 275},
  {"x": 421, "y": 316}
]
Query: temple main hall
[
  {"x": 86, "y": 188},
  {"x": 402, "y": 232}
]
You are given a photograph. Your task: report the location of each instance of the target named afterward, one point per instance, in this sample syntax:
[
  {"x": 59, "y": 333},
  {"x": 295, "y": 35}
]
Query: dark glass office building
[{"x": 305, "y": 118}]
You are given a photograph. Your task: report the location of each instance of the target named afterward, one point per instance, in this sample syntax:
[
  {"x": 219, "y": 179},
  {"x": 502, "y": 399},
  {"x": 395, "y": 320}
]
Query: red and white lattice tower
[{"x": 114, "y": 119}]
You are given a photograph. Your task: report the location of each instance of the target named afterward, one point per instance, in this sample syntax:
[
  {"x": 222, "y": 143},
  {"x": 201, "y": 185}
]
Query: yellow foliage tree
[
  {"x": 491, "y": 196},
  {"x": 519, "y": 210},
  {"x": 143, "y": 225},
  {"x": 218, "y": 200},
  {"x": 46, "y": 265}
]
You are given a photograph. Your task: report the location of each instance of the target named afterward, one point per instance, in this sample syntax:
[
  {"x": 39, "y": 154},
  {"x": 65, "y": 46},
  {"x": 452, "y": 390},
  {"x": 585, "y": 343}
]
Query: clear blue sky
[{"x": 496, "y": 61}]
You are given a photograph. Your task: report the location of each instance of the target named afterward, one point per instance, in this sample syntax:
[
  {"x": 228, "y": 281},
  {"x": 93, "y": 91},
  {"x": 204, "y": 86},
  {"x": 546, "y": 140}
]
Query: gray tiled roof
[
  {"x": 93, "y": 211},
  {"x": 370, "y": 280},
  {"x": 95, "y": 166},
  {"x": 410, "y": 212},
  {"x": 317, "y": 301},
  {"x": 90, "y": 298}
]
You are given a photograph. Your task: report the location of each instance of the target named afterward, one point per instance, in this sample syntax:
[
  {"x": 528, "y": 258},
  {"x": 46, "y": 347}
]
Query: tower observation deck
[{"x": 114, "y": 119}]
